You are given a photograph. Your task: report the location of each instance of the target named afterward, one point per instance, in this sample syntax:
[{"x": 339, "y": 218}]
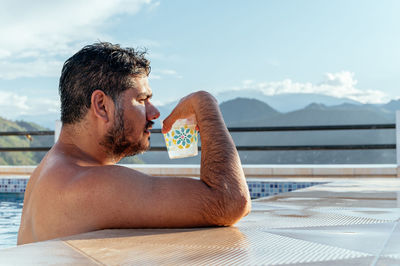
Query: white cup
[{"x": 181, "y": 140}]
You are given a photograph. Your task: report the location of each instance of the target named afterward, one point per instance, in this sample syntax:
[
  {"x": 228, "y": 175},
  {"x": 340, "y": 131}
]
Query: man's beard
[{"x": 116, "y": 143}]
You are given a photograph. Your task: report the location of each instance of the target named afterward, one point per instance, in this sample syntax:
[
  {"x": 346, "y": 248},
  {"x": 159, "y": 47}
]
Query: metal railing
[{"x": 245, "y": 129}]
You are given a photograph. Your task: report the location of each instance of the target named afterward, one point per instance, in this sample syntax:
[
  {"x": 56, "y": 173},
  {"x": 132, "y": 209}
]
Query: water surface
[{"x": 10, "y": 217}]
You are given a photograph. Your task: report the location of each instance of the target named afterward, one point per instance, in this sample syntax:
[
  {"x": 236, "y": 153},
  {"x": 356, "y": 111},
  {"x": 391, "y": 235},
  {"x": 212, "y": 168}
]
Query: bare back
[{"x": 44, "y": 216}]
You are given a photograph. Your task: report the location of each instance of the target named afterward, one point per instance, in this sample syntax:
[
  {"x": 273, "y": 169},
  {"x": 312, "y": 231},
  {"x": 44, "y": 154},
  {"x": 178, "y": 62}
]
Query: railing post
[
  {"x": 57, "y": 130},
  {"x": 398, "y": 199},
  {"x": 398, "y": 142}
]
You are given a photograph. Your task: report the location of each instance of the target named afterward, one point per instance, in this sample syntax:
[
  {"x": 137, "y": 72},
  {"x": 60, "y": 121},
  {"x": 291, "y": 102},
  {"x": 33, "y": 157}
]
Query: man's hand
[{"x": 188, "y": 108}]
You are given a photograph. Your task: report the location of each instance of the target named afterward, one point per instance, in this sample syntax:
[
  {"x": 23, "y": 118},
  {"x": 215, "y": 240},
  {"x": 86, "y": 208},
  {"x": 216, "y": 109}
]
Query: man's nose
[{"x": 152, "y": 112}]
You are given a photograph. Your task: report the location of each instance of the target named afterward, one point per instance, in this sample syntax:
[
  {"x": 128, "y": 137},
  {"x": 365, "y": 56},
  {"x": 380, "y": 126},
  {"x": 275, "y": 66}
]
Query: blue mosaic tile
[
  {"x": 257, "y": 189},
  {"x": 12, "y": 185},
  {"x": 263, "y": 189}
]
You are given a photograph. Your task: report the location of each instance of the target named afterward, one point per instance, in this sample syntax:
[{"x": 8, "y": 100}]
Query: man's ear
[{"x": 101, "y": 104}]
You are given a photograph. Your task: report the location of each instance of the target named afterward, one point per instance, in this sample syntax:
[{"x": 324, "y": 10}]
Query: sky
[{"x": 341, "y": 48}]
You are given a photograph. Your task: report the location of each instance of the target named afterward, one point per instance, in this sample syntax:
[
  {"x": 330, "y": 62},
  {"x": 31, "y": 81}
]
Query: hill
[
  {"x": 252, "y": 112},
  {"x": 242, "y": 110},
  {"x": 313, "y": 114},
  {"x": 21, "y": 158},
  {"x": 286, "y": 102}
]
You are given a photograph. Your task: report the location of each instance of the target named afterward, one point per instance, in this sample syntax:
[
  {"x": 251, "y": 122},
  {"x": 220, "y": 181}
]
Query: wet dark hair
[{"x": 100, "y": 66}]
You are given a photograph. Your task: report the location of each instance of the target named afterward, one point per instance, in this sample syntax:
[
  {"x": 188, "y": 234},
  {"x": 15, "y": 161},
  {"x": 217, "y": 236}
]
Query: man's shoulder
[
  {"x": 107, "y": 172},
  {"x": 65, "y": 179},
  {"x": 86, "y": 186},
  {"x": 89, "y": 178},
  {"x": 65, "y": 167}
]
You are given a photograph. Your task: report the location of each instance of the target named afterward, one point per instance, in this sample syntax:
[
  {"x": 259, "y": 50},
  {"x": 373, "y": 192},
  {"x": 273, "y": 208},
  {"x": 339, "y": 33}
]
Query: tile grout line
[
  {"x": 377, "y": 257},
  {"x": 82, "y": 253}
]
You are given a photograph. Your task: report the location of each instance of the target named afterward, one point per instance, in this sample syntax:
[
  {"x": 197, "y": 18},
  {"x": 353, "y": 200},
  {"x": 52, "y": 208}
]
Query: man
[{"x": 107, "y": 114}]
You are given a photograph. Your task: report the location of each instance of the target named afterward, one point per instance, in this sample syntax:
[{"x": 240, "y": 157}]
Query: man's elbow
[
  {"x": 241, "y": 209},
  {"x": 233, "y": 211}
]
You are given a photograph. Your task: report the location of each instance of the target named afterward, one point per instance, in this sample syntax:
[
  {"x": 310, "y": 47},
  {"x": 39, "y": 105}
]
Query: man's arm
[
  {"x": 221, "y": 169},
  {"x": 118, "y": 197}
]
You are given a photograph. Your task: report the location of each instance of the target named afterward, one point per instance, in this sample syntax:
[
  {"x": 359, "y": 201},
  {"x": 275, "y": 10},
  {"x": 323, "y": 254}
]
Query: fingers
[
  {"x": 167, "y": 123},
  {"x": 170, "y": 120},
  {"x": 185, "y": 109}
]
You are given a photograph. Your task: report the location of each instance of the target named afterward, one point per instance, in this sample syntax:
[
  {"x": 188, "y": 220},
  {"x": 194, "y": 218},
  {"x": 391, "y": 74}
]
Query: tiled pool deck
[
  {"x": 255, "y": 170},
  {"x": 343, "y": 222}
]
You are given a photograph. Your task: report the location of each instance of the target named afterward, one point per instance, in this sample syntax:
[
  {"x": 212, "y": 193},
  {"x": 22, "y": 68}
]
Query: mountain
[
  {"x": 392, "y": 106},
  {"x": 252, "y": 112},
  {"x": 165, "y": 110},
  {"x": 22, "y": 158},
  {"x": 244, "y": 109},
  {"x": 313, "y": 114},
  {"x": 319, "y": 114},
  {"x": 279, "y": 103},
  {"x": 284, "y": 102},
  {"x": 46, "y": 120}
]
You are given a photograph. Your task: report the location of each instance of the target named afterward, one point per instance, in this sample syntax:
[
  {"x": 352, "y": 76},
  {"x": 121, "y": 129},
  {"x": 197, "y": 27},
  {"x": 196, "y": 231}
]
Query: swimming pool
[
  {"x": 10, "y": 217},
  {"x": 11, "y": 203}
]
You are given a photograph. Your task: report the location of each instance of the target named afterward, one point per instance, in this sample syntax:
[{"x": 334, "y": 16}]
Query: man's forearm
[{"x": 221, "y": 169}]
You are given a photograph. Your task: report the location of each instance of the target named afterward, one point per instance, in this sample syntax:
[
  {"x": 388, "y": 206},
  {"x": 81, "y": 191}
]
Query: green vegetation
[{"x": 17, "y": 158}]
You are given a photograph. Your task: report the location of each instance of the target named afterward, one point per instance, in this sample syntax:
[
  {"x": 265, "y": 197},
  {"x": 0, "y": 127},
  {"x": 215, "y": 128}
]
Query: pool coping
[{"x": 255, "y": 170}]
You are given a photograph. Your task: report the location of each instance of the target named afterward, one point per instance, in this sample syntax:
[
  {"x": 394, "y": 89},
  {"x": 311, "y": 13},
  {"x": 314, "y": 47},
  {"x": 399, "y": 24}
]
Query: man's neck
[{"x": 83, "y": 145}]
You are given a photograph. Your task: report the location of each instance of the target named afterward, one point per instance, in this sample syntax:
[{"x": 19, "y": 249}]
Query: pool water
[{"x": 10, "y": 217}]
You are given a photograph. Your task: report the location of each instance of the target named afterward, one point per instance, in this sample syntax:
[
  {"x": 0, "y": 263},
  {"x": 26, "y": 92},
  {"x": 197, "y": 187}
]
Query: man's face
[{"x": 133, "y": 117}]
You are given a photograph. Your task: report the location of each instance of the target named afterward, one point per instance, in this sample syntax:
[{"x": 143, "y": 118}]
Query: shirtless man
[{"x": 106, "y": 114}]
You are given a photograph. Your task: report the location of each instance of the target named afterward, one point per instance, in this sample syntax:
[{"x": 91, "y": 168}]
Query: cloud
[
  {"x": 341, "y": 85},
  {"x": 44, "y": 32},
  {"x": 154, "y": 5},
  {"x": 13, "y": 105},
  {"x": 168, "y": 72},
  {"x": 11, "y": 101},
  {"x": 153, "y": 76},
  {"x": 162, "y": 73},
  {"x": 34, "y": 68},
  {"x": 4, "y": 54}
]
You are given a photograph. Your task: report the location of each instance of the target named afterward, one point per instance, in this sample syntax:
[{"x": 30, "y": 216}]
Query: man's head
[
  {"x": 103, "y": 70},
  {"x": 101, "y": 66}
]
